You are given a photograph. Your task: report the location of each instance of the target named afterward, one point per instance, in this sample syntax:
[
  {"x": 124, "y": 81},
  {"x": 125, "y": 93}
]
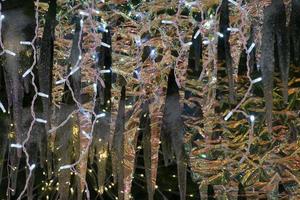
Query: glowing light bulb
[
  {"x": 65, "y": 167},
  {"x": 26, "y": 73},
  {"x": 43, "y": 95},
  {"x": 87, "y": 135},
  {"x": 166, "y": 22},
  {"x": 83, "y": 13},
  {"x": 197, "y": 34},
  {"x": 41, "y": 120},
  {"x": 95, "y": 87},
  {"x": 60, "y": 81},
  {"x": 153, "y": 54},
  {"x": 2, "y": 107},
  {"x": 74, "y": 70},
  {"x": 257, "y": 80},
  {"x": 232, "y": 29},
  {"x": 25, "y": 43},
  {"x": 205, "y": 42},
  {"x": 221, "y": 35},
  {"x": 228, "y": 115},
  {"x": 105, "y": 44},
  {"x": 32, "y": 167},
  {"x": 252, "y": 118},
  {"x": 100, "y": 115},
  {"x": 18, "y": 146},
  {"x": 10, "y": 52},
  {"x": 105, "y": 71},
  {"x": 250, "y": 48}
]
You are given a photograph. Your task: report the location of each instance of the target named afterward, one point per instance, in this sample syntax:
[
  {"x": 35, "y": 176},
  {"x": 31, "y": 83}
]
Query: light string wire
[
  {"x": 80, "y": 107},
  {"x": 97, "y": 42},
  {"x": 33, "y": 114},
  {"x": 244, "y": 19}
]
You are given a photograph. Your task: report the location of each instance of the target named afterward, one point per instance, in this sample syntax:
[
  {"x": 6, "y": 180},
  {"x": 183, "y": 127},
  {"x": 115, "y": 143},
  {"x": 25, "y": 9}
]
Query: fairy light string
[
  {"x": 248, "y": 50},
  {"x": 141, "y": 76},
  {"x": 88, "y": 114},
  {"x": 31, "y": 167}
]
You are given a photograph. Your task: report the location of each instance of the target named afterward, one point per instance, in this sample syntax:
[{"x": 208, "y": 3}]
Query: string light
[
  {"x": 105, "y": 45},
  {"x": 100, "y": 115},
  {"x": 256, "y": 80},
  {"x": 153, "y": 54},
  {"x": 28, "y": 134},
  {"x": 75, "y": 69},
  {"x": 95, "y": 87},
  {"x": 250, "y": 48},
  {"x": 26, "y": 73},
  {"x": 10, "y": 52},
  {"x": 41, "y": 120},
  {"x": 252, "y": 118},
  {"x": 236, "y": 109},
  {"x": 86, "y": 113},
  {"x": 135, "y": 71},
  {"x": 65, "y": 167},
  {"x": 233, "y": 29},
  {"x": 83, "y": 13},
  {"x": 104, "y": 71},
  {"x": 2, "y": 107},
  {"x": 167, "y": 22},
  {"x": 25, "y": 42},
  {"x": 60, "y": 81},
  {"x": 32, "y": 167},
  {"x": 197, "y": 34},
  {"x": 18, "y": 146},
  {"x": 206, "y": 42},
  {"x": 220, "y": 34},
  {"x": 87, "y": 135},
  {"x": 228, "y": 115},
  {"x": 188, "y": 44},
  {"x": 43, "y": 95}
]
